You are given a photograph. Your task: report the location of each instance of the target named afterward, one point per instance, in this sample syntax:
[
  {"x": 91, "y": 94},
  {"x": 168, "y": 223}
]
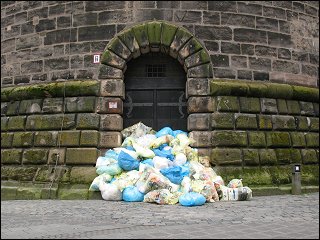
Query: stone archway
[{"x": 159, "y": 36}]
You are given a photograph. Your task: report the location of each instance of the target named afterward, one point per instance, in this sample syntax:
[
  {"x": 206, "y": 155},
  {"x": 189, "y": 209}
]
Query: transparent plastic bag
[
  {"x": 126, "y": 179},
  {"x": 162, "y": 196},
  {"x": 235, "y": 183},
  {"x": 136, "y": 130}
]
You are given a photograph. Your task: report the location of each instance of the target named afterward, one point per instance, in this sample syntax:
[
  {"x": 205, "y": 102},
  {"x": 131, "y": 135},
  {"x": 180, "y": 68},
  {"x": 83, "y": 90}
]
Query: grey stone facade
[{"x": 44, "y": 41}]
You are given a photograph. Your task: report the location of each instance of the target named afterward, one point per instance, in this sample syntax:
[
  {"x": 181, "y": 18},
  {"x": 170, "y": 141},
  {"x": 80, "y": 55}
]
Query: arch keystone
[
  {"x": 141, "y": 34},
  {"x": 154, "y": 35}
]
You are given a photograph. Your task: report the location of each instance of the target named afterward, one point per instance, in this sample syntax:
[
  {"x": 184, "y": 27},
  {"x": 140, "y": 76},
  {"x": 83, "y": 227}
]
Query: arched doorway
[
  {"x": 154, "y": 48},
  {"x": 155, "y": 92}
]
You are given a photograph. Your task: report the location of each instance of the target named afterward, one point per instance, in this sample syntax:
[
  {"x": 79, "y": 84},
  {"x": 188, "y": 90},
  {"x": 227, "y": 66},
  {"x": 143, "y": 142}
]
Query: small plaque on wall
[{"x": 113, "y": 105}]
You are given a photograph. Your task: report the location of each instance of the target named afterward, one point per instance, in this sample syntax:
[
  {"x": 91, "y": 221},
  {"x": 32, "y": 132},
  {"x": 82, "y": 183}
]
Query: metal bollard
[{"x": 296, "y": 179}]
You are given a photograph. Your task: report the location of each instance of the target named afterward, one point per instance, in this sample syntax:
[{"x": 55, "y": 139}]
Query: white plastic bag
[{"x": 110, "y": 192}]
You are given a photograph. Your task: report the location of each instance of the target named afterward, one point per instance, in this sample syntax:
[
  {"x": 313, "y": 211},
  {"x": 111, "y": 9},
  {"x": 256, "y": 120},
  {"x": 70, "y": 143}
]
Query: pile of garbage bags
[{"x": 161, "y": 167}]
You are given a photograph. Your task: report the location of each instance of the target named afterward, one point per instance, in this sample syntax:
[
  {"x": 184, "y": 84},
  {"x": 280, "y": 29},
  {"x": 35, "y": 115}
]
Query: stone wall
[
  {"x": 44, "y": 41},
  {"x": 52, "y": 134}
]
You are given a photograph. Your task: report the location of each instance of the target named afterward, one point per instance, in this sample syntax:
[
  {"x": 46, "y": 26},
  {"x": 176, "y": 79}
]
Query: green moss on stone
[
  {"x": 73, "y": 194},
  {"x": 265, "y": 121},
  {"x": 229, "y": 138},
  {"x": 226, "y": 104},
  {"x": 11, "y": 156},
  {"x": 283, "y": 156},
  {"x": 267, "y": 157},
  {"x": 305, "y": 93},
  {"x": 309, "y": 156},
  {"x": 55, "y": 89},
  {"x": 141, "y": 35},
  {"x": 295, "y": 156},
  {"x": 222, "y": 120},
  {"x": 246, "y": 121},
  {"x": 282, "y": 106},
  {"x": 154, "y": 33},
  {"x": 232, "y": 88},
  {"x": 293, "y": 107},
  {"x": 302, "y": 123},
  {"x": 226, "y": 156},
  {"x": 278, "y": 90},
  {"x": 8, "y": 193},
  {"x": 167, "y": 34},
  {"x": 278, "y": 139},
  {"x": 35, "y": 156},
  {"x": 22, "y": 139},
  {"x": 256, "y": 139},
  {"x": 250, "y": 157},
  {"x": 16, "y": 123},
  {"x": 18, "y": 173},
  {"x": 297, "y": 139},
  {"x": 255, "y": 176},
  {"x": 89, "y": 138},
  {"x": 83, "y": 175},
  {"x": 28, "y": 193},
  {"x": 249, "y": 105},
  {"x": 6, "y": 140}
]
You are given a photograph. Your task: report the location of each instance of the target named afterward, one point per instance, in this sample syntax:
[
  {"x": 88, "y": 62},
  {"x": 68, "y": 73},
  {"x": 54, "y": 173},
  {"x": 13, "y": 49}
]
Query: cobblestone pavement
[{"x": 282, "y": 216}]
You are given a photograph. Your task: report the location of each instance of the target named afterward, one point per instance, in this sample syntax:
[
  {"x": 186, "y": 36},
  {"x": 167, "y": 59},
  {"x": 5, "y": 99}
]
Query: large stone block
[
  {"x": 4, "y": 123},
  {"x": 50, "y": 122},
  {"x": 13, "y": 108},
  {"x": 196, "y": 59},
  {"x": 18, "y": 173},
  {"x": 267, "y": 157},
  {"x": 226, "y": 104},
  {"x": 283, "y": 156},
  {"x": 88, "y": 121},
  {"x": 111, "y": 59},
  {"x": 119, "y": 48},
  {"x": 312, "y": 139},
  {"x": 199, "y": 121},
  {"x": 250, "y": 105},
  {"x": 278, "y": 139},
  {"x": 226, "y": 156},
  {"x": 256, "y": 139},
  {"x": 309, "y": 156},
  {"x": 30, "y": 106},
  {"x": 22, "y": 139},
  {"x": 200, "y": 104},
  {"x": 282, "y": 106},
  {"x": 108, "y": 72},
  {"x": 265, "y": 122},
  {"x": 314, "y": 124},
  {"x": 78, "y": 156},
  {"x": 69, "y": 138},
  {"x": 11, "y": 156},
  {"x": 302, "y": 123},
  {"x": 82, "y": 175},
  {"x": 245, "y": 121},
  {"x": 293, "y": 107},
  {"x": 45, "y": 138},
  {"x": 201, "y": 138},
  {"x": 154, "y": 35},
  {"x": 109, "y": 105},
  {"x": 306, "y": 108},
  {"x": 112, "y": 88},
  {"x": 167, "y": 35},
  {"x": 73, "y": 194},
  {"x": 141, "y": 35},
  {"x": 28, "y": 193},
  {"x": 56, "y": 156},
  {"x": 188, "y": 49},
  {"x": 16, "y": 123},
  {"x": 198, "y": 87},
  {"x": 52, "y": 105},
  {"x": 268, "y": 105},
  {"x": 228, "y": 138},
  {"x": 80, "y": 104},
  {"x": 201, "y": 71},
  {"x": 222, "y": 120},
  {"x": 298, "y": 139},
  {"x": 280, "y": 122},
  {"x": 110, "y": 139},
  {"x": 180, "y": 38},
  {"x": 113, "y": 122},
  {"x": 6, "y": 140},
  {"x": 295, "y": 156},
  {"x": 35, "y": 156},
  {"x": 89, "y": 138},
  {"x": 129, "y": 39},
  {"x": 250, "y": 157}
]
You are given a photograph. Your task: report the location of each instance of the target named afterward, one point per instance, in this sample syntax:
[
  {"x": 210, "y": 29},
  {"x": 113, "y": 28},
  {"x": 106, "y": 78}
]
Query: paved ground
[{"x": 282, "y": 216}]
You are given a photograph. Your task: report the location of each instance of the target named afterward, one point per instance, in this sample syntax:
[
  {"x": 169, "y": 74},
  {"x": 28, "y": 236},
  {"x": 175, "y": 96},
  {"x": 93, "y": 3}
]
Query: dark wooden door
[{"x": 155, "y": 92}]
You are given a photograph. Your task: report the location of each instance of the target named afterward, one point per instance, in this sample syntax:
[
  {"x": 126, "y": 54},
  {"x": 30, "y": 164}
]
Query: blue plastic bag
[
  {"x": 192, "y": 199},
  {"x": 164, "y": 131},
  {"x": 127, "y": 162},
  {"x": 148, "y": 161},
  {"x": 163, "y": 145},
  {"x": 111, "y": 154},
  {"x": 163, "y": 153},
  {"x": 176, "y": 132},
  {"x": 130, "y": 148},
  {"x": 132, "y": 194},
  {"x": 175, "y": 174}
]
